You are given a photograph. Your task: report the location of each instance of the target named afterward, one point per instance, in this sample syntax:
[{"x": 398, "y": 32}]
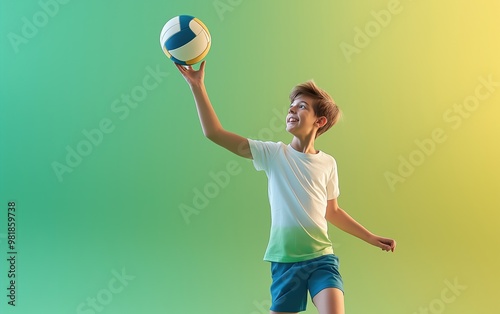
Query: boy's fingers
[
  {"x": 180, "y": 67},
  {"x": 202, "y": 66},
  {"x": 387, "y": 246},
  {"x": 183, "y": 67},
  {"x": 392, "y": 245}
]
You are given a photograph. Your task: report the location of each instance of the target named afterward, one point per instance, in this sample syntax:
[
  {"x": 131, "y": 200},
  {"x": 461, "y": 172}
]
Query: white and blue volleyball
[{"x": 185, "y": 40}]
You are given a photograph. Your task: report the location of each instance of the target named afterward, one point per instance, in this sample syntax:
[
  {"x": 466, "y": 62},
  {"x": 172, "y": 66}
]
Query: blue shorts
[{"x": 291, "y": 281}]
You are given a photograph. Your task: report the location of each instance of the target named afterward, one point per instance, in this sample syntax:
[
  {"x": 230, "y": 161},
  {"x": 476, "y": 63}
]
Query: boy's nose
[{"x": 292, "y": 109}]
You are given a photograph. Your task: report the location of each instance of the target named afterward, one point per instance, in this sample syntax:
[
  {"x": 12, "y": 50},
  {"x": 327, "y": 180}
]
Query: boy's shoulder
[
  {"x": 328, "y": 155},
  {"x": 269, "y": 144}
]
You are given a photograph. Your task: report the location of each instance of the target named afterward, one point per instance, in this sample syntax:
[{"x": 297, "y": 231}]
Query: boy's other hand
[
  {"x": 193, "y": 77},
  {"x": 385, "y": 244}
]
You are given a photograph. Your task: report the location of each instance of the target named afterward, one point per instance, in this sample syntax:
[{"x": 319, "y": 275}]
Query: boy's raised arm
[{"x": 210, "y": 123}]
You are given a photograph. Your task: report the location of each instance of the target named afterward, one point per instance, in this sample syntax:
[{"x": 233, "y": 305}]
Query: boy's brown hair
[{"x": 324, "y": 104}]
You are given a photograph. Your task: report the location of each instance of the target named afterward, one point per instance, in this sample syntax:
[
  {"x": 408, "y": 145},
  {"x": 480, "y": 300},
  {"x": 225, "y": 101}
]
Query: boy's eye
[{"x": 301, "y": 106}]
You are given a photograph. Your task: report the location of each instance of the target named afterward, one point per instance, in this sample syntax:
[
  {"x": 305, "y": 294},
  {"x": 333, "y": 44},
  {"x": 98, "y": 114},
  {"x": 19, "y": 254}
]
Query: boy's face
[{"x": 301, "y": 120}]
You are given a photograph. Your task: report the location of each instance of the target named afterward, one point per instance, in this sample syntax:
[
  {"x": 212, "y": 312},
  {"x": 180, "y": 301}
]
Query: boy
[{"x": 303, "y": 190}]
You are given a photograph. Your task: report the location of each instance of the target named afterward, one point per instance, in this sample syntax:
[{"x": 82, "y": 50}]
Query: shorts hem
[
  {"x": 287, "y": 310},
  {"x": 327, "y": 287}
]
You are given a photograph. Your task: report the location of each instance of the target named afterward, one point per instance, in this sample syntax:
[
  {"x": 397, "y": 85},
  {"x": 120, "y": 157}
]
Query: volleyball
[{"x": 185, "y": 39}]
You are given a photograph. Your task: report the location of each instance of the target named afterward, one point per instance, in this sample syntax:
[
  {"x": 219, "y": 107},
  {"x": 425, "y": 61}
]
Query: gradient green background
[{"x": 119, "y": 209}]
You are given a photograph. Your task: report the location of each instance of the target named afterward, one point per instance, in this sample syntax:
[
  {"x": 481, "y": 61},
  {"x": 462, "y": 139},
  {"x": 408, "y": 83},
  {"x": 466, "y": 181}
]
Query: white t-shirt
[{"x": 299, "y": 186}]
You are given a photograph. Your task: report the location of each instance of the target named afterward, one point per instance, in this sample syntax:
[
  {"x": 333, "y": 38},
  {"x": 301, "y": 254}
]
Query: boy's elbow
[
  {"x": 212, "y": 139},
  {"x": 212, "y": 135},
  {"x": 332, "y": 209}
]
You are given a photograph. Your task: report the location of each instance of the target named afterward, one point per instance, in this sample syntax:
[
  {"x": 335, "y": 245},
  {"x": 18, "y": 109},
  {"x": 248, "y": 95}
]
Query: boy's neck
[{"x": 304, "y": 145}]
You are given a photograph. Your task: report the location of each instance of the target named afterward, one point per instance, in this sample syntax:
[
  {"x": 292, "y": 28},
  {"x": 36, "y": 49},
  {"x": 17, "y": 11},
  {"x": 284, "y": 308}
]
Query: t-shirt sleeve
[
  {"x": 332, "y": 188},
  {"x": 262, "y": 153}
]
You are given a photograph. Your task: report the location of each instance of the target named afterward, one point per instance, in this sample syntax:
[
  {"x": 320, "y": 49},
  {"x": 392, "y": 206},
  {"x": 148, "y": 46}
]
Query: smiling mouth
[{"x": 290, "y": 120}]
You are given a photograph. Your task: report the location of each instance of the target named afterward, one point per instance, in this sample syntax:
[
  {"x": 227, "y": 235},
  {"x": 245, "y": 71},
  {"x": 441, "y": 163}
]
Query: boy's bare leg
[{"x": 329, "y": 301}]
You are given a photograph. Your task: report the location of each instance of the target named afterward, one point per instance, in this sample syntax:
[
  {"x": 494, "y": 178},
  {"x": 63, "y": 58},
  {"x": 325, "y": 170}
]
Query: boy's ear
[{"x": 321, "y": 121}]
